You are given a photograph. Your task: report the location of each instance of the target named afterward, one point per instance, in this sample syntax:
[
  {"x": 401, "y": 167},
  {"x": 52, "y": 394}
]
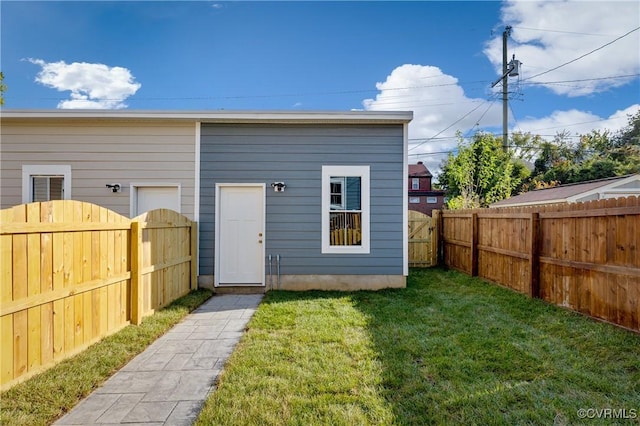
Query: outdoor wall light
[
  {"x": 114, "y": 187},
  {"x": 278, "y": 186}
]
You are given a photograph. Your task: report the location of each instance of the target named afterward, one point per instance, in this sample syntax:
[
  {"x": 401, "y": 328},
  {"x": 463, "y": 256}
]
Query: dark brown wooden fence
[{"x": 584, "y": 256}]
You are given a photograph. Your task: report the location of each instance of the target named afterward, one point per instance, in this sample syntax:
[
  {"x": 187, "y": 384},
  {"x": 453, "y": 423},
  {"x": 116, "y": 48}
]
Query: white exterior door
[
  {"x": 156, "y": 197},
  {"x": 240, "y": 235}
]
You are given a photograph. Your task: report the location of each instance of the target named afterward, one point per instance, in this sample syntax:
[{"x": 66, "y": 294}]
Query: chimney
[{"x": 419, "y": 162}]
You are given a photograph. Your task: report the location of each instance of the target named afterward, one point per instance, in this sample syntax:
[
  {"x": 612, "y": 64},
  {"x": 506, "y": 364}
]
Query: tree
[
  {"x": 629, "y": 136},
  {"x": 3, "y": 88},
  {"x": 626, "y": 146},
  {"x": 481, "y": 173},
  {"x": 596, "y": 155}
]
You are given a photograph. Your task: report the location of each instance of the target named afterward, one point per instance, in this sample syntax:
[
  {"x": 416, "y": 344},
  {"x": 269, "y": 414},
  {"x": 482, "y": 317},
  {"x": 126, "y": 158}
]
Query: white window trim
[
  {"x": 28, "y": 171},
  {"x": 362, "y": 172},
  {"x": 415, "y": 183},
  {"x": 414, "y": 200}
]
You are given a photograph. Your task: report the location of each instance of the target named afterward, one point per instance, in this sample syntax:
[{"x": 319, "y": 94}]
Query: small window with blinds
[
  {"x": 46, "y": 183},
  {"x": 47, "y": 188}
]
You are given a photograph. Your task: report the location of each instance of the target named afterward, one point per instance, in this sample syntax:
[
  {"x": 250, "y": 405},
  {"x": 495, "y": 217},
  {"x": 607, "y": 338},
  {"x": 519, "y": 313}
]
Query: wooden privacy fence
[
  {"x": 423, "y": 241},
  {"x": 73, "y": 272},
  {"x": 345, "y": 229},
  {"x": 585, "y": 256}
]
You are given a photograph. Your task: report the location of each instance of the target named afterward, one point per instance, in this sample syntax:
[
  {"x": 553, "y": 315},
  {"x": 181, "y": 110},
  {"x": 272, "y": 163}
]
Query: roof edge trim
[{"x": 222, "y": 116}]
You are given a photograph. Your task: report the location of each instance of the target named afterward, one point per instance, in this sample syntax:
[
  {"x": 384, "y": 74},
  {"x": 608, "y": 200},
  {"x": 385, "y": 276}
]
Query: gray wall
[
  {"x": 101, "y": 152},
  {"x": 295, "y": 155}
]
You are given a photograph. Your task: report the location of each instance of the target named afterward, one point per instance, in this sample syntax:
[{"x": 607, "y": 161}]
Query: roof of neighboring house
[
  {"x": 419, "y": 170},
  {"x": 566, "y": 193}
]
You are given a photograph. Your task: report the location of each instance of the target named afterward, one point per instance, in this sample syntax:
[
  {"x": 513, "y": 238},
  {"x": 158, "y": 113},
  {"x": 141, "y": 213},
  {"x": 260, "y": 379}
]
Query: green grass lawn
[
  {"x": 448, "y": 349},
  {"x": 49, "y": 395}
]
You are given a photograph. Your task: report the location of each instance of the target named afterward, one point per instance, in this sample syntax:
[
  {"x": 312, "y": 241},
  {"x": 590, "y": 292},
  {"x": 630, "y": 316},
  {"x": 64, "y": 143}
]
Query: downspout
[
  {"x": 270, "y": 272},
  {"x": 278, "y": 266}
]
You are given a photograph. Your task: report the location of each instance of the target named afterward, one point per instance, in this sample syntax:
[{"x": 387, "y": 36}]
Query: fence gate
[{"x": 422, "y": 249}]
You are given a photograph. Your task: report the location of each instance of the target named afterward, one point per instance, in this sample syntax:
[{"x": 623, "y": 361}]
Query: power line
[
  {"x": 582, "y": 56},
  {"x": 426, "y": 154},
  {"x": 513, "y": 114},
  {"x": 341, "y": 92},
  {"x": 448, "y": 127},
  {"x": 573, "y": 124},
  {"x": 440, "y": 138},
  {"x": 561, "y": 32},
  {"x": 564, "y": 126},
  {"x": 482, "y": 116},
  {"x": 533, "y": 147},
  {"x": 531, "y": 83}
]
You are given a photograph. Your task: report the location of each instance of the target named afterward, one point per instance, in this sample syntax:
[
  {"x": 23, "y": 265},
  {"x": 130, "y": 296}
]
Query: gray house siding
[
  {"x": 295, "y": 154},
  {"x": 100, "y": 151}
]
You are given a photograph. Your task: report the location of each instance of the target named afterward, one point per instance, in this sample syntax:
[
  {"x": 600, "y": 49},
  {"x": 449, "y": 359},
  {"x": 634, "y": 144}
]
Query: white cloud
[
  {"x": 547, "y": 34},
  {"x": 577, "y": 122},
  {"x": 440, "y": 108},
  {"x": 432, "y": 132},
  {"x": 92, "y": 86}
]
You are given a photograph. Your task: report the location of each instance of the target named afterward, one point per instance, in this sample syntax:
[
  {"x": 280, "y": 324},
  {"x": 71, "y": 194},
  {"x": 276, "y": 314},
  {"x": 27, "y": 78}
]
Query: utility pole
[
  {"x": 505, "y": 91},
  {"x": 510, "y": 69}
]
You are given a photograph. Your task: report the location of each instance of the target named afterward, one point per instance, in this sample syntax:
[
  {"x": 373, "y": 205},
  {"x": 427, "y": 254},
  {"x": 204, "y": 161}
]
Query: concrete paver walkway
[{"x": 168, "y": 383}]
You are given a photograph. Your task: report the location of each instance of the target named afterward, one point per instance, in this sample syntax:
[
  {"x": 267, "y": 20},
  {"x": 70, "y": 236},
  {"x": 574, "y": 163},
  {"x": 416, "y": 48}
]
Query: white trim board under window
[
  {"x": 335, "y": 180},
  {"x": 45, "y": 183}
]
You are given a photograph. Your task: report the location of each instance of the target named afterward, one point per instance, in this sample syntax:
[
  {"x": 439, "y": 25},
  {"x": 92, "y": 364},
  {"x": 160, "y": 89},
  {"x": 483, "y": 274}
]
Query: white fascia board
[
  {"x": 222, "y": 116},
  {"x": 405, "y": 200},
  {"x": 604, "y": 188}
]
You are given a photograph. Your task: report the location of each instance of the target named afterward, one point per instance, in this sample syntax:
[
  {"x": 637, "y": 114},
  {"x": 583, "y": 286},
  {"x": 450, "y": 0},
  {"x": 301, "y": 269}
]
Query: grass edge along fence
[
  {"x": 73, "y": 272},
  {"x": 581, "y": 256}
]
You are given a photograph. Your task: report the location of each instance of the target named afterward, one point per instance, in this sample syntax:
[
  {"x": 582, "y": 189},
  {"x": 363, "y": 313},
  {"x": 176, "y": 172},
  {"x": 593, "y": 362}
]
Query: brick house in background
[{"x": 422, "y": 198}]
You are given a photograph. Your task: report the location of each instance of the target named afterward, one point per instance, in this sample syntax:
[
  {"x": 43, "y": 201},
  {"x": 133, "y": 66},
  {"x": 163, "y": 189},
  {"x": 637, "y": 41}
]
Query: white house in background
[{"x": 620, "y": 186}]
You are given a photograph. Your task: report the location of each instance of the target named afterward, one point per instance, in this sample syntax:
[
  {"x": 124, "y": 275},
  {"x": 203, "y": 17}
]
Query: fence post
[
  {"x": 534, "y": 255},
  {"x": 474, "y": 244},
  {"x": 440, "y": 232},
  {"x": 194, "y": 255},
  {"x": 136, "y": 273},
  {"x": 434, "y": 237}
]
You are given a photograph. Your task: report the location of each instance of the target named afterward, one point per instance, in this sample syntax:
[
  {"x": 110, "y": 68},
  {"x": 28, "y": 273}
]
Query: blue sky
[{"x": 581, "y": 60}]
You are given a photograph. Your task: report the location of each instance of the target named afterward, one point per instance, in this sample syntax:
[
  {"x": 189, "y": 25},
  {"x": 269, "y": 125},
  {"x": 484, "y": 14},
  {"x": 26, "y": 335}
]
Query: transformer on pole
[{"x": 511, "y": 69}]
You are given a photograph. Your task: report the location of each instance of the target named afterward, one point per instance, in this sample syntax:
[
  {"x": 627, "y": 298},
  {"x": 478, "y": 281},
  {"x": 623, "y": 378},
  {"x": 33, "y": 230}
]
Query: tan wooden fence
[
  {"x": 423, "y": 241},
  {"x": 73, "y": 272},
  {"x": 585, "y": 256}
]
